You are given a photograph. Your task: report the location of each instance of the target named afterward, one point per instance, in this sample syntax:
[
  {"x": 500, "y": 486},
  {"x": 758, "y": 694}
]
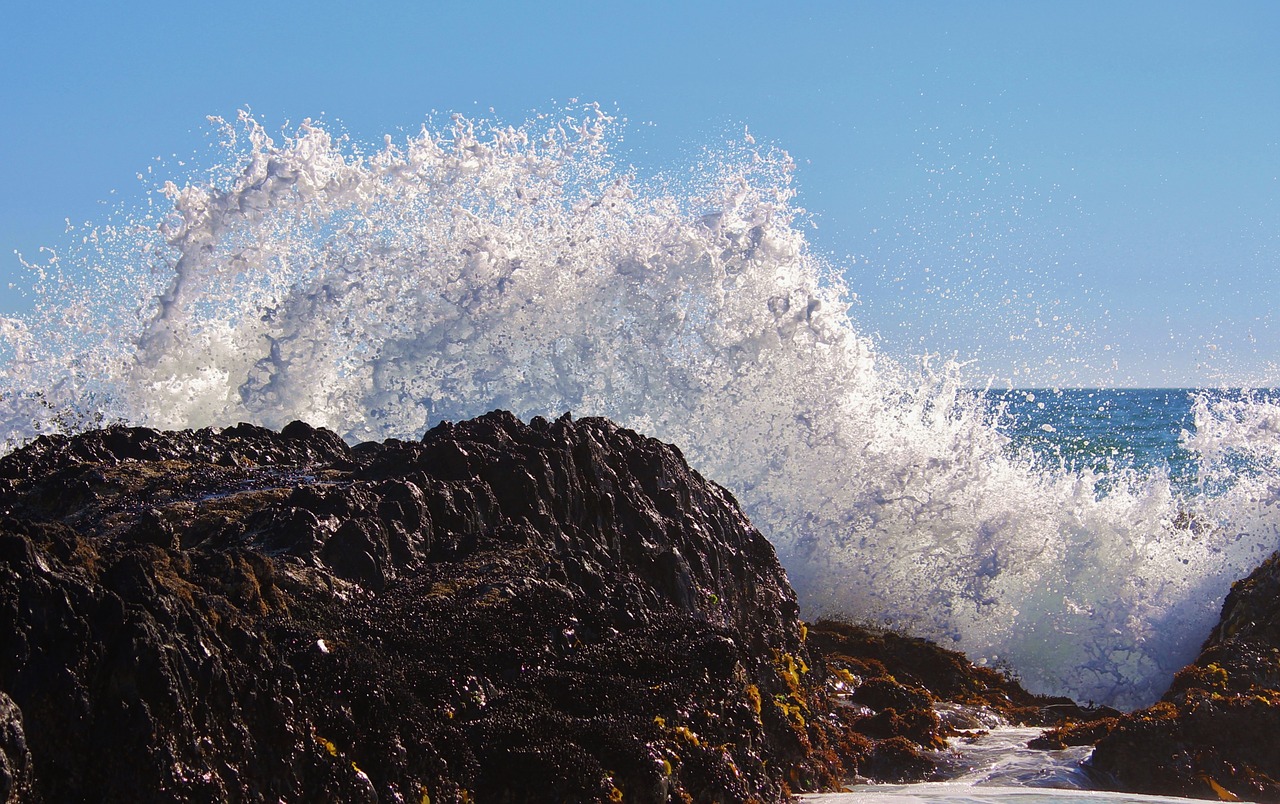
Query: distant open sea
[{"x": 1108, "y": 429}]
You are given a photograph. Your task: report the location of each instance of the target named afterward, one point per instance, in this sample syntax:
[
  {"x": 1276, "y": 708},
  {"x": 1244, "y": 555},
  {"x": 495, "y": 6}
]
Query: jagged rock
[
  {"x": 15, "y": 757},
  {"x": 915, "y": 673},
  {"x": 501, "y": 612},
  {"x": 551, "y": 611},
  {"x": 1216, "y": 732},
  {"x": 909, "y": 695}
]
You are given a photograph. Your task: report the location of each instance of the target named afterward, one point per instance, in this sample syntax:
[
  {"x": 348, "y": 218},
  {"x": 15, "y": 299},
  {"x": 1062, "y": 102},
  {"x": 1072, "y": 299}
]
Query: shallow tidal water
[
  {"x": 996, "y": 767},
  {"x": 963, "y": 793}
]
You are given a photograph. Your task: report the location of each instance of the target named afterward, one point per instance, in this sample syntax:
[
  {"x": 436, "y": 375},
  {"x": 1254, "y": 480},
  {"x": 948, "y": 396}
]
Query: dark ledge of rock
[
  {"x": 552, "y": 611},
  {"x": 1216, "y": 733},
  {"x": 910, "y": 695},
  {"x": 501, "y": 612},
  {"x": 906, "y": 663}
]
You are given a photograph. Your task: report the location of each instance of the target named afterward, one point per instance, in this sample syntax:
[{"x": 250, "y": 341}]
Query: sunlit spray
[{"x": 477, "y": 267}]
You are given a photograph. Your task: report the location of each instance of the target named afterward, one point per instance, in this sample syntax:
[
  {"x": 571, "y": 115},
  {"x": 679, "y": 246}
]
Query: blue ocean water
[
  {"x": 1110, "y": 430},
  {"x": 1104, "y": 429}
]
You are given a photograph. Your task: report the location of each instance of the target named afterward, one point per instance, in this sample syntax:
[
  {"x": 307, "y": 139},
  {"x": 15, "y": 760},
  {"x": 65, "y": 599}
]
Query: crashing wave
[{"x": 478, "y": 267}]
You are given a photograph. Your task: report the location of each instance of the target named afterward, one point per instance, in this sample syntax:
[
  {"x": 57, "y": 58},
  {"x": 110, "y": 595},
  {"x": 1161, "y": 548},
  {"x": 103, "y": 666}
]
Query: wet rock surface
[
  {"x": 911, "y": 697},
  {"x": 552, "y": 611},
  {"x": 1216, "y": 733},
  {"x": 502, "y": 612}
]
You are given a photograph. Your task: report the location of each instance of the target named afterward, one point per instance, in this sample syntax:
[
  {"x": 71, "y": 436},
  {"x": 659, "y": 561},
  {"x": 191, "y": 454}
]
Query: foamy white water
[
  {"x": 994, "y": 766},
  {"x": 999, "y": 757},
  {"x": 958, "y": 793},
  {"x": 468, "y": 269}
]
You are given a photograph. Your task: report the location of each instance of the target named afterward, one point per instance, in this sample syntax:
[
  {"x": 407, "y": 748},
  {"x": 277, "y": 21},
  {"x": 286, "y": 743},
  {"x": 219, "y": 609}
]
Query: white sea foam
[
  {"x": 963, "y": 793},
  {"x": 475, "y": 268}
]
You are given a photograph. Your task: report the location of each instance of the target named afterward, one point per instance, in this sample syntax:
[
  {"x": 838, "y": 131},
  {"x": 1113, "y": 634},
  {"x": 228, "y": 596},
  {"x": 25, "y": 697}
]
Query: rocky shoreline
[
  {"x": 551, "y": 611},
  {"x": 1216, "y": 732}
]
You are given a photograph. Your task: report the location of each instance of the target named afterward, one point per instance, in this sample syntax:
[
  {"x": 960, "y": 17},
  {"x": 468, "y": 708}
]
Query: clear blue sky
[{"x": 1119, "y": 161}]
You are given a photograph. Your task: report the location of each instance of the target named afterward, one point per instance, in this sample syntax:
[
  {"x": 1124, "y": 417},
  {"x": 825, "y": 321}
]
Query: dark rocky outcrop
[
  {"x": 910, "y": 696},
  {"x": 1216, "y": 732},
  {"x": 906, "y": 666},
  {"x": 552, "y": 611},
  {"x": 502, "y": 612}
]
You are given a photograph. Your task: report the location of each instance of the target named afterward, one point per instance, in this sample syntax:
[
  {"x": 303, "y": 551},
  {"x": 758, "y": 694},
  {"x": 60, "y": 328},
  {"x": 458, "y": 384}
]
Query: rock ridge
[
  {"x": 558, "y": 610},
  {"x": 552, "y": 611}
]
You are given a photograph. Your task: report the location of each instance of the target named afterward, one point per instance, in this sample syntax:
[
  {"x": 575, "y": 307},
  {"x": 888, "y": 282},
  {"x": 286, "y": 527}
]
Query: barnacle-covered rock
[{"x": 499, "y": 612}]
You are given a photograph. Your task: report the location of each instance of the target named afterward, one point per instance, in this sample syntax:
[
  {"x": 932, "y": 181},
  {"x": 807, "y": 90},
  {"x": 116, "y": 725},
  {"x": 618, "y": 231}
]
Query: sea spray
[{"x": 478, "y": 267}]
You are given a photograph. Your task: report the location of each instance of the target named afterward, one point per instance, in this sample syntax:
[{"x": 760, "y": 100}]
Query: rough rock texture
[
  {"x": 1216, "y": 732},
  {"x": 552, "y": 611},
  {"x": 911, "y": 696},
  {"x": 945, "y": 676},
  {"x": 503, "y": 612}
]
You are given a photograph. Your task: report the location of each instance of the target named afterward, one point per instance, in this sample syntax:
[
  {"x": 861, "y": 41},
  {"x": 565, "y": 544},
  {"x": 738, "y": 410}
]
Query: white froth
[{"x": 472, "y": 269}]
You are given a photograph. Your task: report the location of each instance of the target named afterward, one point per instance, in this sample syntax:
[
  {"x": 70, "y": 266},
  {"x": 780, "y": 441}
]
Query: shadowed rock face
[
  {"x": 502, "y": 612},
  {"x": 1216, "y": 732}
]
